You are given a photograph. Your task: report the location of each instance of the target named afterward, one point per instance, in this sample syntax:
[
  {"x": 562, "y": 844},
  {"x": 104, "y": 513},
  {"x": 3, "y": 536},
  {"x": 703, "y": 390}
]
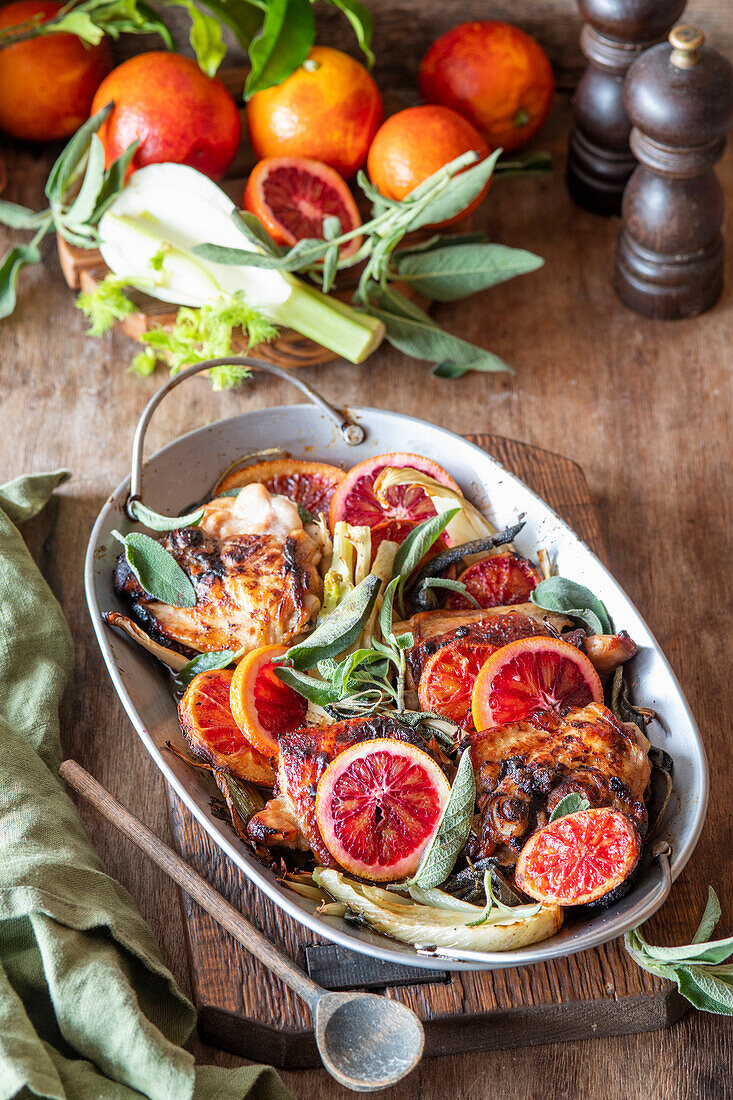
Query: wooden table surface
[{"x": 644, "y": 407}]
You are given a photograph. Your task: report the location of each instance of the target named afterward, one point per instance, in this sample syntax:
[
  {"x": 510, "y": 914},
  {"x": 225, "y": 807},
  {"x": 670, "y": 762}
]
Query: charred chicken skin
[
  {"x": 254, "y": 571},
  {"x": 525, "y": 768},
  {"x": 289, "y": 819}
]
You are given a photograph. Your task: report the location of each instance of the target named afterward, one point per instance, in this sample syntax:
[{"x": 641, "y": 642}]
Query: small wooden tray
[{"x": 244, "y": 1009}]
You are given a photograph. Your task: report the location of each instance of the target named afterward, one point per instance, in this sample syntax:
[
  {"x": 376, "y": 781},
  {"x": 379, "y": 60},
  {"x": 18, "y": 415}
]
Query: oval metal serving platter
[{"x": 186, "y": 470}]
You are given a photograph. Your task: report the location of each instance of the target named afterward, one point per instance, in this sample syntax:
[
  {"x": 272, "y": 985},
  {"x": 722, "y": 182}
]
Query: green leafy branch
[
  {"x": 446, "y": 267},
  {"x": 699, "y": 969},
  {"x": 79, "y": 189},
  {"x": 276, "y": 33}
]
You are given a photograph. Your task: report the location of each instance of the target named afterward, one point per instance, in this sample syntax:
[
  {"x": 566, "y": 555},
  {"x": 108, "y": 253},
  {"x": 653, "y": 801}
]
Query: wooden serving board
[{"x": 244, "y": 1009}]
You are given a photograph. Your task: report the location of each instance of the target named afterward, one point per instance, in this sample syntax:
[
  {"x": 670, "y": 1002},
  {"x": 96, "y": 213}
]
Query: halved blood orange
[
  {"x": 532, "y": 674},
  {"x": 293, "y": 195},
  {"x": 208, "y": 725},
  {"x": 579, "y": 858},
  {"x": 446, "y": 683},
  {"x": 497, "y": 581},
  {"x": 310, "y": 484},
  {"x": 356, "y": 502},
  {"x": 263, "y": 706},
  {"x": 378, "y": 804}
]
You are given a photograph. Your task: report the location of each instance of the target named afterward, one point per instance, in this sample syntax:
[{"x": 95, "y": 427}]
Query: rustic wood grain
[
  {"x": 643, "y": 406},
  {"x": 245, "y": 1009}
]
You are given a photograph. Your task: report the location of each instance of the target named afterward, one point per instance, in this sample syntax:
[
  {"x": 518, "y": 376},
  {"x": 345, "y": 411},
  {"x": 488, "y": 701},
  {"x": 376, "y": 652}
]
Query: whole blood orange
[
  {"x": 579, "y": 858},
  {"x": 415, "y": 143},
  {"x": 293, "y": 195},
  {"x": 495, "y": 75},
  {"x": 356, "y": 502},
  {"x": 177, "y": 112},
  {"x": 378, "y": 805},
  {"x": 310, "y": 484},
  {"x": 262, "y": 705},
  {"x": 329, "y": 109},
  {"x": 446, "y": 681},
  {"x": 209, "y": 727},
  {"x": 532, "y": 674},
  {"x": 47, "y": 84},
  {"x": 500, "y": 580}
]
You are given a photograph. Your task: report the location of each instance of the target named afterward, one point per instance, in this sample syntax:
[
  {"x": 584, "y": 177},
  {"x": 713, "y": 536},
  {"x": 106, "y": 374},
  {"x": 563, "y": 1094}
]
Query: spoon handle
[{"x": 196, "y": 887}]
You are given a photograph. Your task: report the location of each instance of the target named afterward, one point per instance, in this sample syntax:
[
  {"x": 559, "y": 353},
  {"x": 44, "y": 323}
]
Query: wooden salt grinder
[
  {"x": 615, "y": 33},
  {"x": 679, "y": 96}
]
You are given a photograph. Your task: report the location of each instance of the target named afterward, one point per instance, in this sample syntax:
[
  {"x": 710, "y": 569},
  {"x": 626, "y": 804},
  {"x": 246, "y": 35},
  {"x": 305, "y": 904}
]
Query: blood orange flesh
[
  {"x": 447, "y": 680},
  {"x": 293, "y": 195},
  {"x": 501, "y": 580},
  {"x": 209, "y": 727},
  {"x": 263, "y": 706},
  {"x": 356, "y": 502},
  {"x": 310, "y": 484},
  {"x": 378, "y": 805},
  {"x": 579, "y": 858},
  {"x": 532, "y": 674}
]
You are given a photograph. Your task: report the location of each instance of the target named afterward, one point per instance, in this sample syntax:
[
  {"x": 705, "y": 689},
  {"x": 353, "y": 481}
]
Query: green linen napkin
[{"x": 87, "y": 1008}]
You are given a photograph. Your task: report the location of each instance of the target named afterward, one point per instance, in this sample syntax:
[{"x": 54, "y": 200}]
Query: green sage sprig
[
  {"x": 446, "y": 267},
  {"x": 575, "y": 600},
  {"x": 438, "y": 859},
  {"x": 335, "y": 634},
  {"x": 205, "y": 662},
  {"x": 699, "y": 969},
  {"x": 158, "y": 572},
  {"x": 156, "y": 522},
  {"x": 572, "y": 803},
  {"x": 74, "y": 215}
]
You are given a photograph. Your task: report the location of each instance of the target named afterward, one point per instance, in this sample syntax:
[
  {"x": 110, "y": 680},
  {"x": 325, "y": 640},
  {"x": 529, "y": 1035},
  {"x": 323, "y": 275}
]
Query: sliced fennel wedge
[
  {"x": 147, "y": 237},
  {"x": 429, "y": 926},
  {"x": 468, "y": 524}
]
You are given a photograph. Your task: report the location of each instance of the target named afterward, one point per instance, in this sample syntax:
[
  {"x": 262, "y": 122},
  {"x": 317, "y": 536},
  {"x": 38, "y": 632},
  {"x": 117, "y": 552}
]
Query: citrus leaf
[
  {"x": 571, "y": 804},
  {"x": 157, "y": 571},
  {"x": 442, "y": 852},
  {"x": 156, "y": 522},
  {"x": 243, "y": 17},
  {"x": 456, "y": 271},
  {"x": 361, "y": 21},
  {"x": 531, "y": 164},
  {"x": 205, "y": 662},
  {"x": 288, "y": 32},
  {"x": 573, "y": 599},
  {"x": 340, "y": 630},
  {"x": 79, "y": 23},
  {"x": 205, "y": 38}
]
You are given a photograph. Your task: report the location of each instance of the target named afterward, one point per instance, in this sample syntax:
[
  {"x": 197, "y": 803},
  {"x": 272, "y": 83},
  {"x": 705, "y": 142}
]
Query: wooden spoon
[{"x": 366, "y": 1042}]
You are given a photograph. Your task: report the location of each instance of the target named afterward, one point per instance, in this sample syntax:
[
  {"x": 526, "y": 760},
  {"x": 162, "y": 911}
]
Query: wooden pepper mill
[
  {"x": 615, "y": 33},
  {"x": 679, "y": 96}
]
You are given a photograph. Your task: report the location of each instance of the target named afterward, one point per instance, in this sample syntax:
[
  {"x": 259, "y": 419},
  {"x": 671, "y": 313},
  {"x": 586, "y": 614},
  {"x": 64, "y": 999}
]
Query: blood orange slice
[
  {"x": 532, "y": 674},
  {"x": 579, "y": 858},
  {"x": 446, "y": 683},
  {"x": 211, "y": 732},
  {"x": 310, "y": 484},
  {"x": 378, "y": 804},
  {"x": 356, "y": 502},
  {"x": 293, "y": 195},
  {"x": 263, "y": 706},
  {"x": 501, "y": 580}
]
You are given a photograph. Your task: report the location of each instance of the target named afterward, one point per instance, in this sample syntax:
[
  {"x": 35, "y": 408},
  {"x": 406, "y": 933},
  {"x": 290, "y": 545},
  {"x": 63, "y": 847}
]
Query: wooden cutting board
[{"x": 244, "y": 1009}]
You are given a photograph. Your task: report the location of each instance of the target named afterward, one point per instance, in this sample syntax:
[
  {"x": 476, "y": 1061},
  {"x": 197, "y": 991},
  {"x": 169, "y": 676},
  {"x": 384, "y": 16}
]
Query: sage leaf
[
  {"x": 157, "y": 571},
  {"x": 710, "y": 951},
  {"x": 114, "y": 181},
  {"x": 13, "y": 262},
  {"x": 85, "y": 202},
  {"x": 252, "y": 228},
  {"x": 458, "y": 194},
  {"x": 315, "y": 691},
  {"x": 287, "y": 34},
  {"x": 710, "y": 918},
  {"x": 427, "y": 341},
  {"x": 574, "y": 600},
  {"x": 446, "y": 582},
  {"x": 707, "y": 990},
  {"x": 442, "y": 240},
  {"x": 386, "y": 611},
  {"x": 156, "y": 522},
  {"x": 72, "y": 158},
  {"x": 418, "y": 542},
  {"x": 442, "y": 852},
  {"x": 340, "y": 630},
  {"x": 571, "y": 804},
  {"x": 18, "y": 217},
  {"x": 446, "y": 274},
  {"x": 206, "y": 662}
]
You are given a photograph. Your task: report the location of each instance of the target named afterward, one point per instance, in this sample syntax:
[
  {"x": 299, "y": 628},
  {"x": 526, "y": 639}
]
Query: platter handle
[{"x": 352, "y": 433}]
